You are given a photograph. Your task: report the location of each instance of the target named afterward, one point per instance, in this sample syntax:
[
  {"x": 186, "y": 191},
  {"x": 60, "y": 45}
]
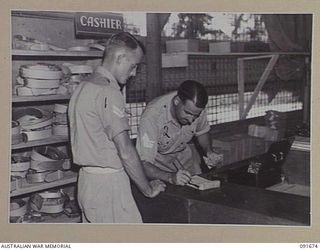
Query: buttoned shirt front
[
  {"x": 160, "y": 134},
  {"x": 96, "y": 116}
]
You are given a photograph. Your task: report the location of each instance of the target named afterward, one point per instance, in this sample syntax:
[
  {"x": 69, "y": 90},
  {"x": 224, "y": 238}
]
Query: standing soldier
[{"x": 100, "y": 140}]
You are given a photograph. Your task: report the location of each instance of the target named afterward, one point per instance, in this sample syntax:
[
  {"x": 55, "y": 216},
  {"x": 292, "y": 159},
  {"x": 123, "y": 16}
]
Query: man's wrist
[
  {"x": 171, "y": 178},
  {"x": 147, "y": 191}
]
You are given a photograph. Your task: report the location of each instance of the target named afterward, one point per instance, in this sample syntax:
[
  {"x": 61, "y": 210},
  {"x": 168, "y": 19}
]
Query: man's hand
[
  {"x": 157, "y": 186},
  {"x": 213, "y": 159},
  {"x": 182, "y": 177}
]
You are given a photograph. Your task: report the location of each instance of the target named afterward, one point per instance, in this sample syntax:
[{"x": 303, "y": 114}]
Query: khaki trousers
[{"x": 106, "y": 198}]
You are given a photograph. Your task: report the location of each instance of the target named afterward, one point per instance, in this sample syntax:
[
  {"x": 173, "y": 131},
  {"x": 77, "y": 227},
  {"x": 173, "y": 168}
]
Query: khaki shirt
[
  {"x": 160, "y": 135},
  {"x": 96, "y": 116}
]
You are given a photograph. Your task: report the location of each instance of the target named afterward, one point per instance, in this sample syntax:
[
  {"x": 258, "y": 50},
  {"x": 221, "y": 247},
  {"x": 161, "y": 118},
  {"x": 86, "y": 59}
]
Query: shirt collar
[{"x": 106, "y": 74}]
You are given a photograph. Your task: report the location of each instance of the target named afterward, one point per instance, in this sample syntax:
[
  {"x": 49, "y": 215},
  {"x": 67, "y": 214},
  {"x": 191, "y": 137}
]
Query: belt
[
  {"x": 15, "y": 183},
  {"x": 32, "y": 118},
  {"x": 25, "y": 91},
  {"x": 18, "y": 208},
  {"x": 63, "y": 90},
  {"x": 16, "y": 139},
  {"x": 20, "y": 174},
  {"x": 20, "y": 163},
  {"x": 97, "y": 46},
  {"x": 35, "y": 123},
  {"x": 60, "y": 129},
  {"x": 19, "y": 80},
  {"x": 42, "y": 84},
  {"x": 76, "y": 78},
  {"x": 47, "y": 176},
  {"x": 72, "y": 86},
  {"x": 60, "y": 108},
  {"x": 37, "y": 135},
  {"x": 60, "y": 118},
  {"x": 100, "y": 170},
  {"x": 16, "y": 136},
  {"x": 67, "y": 164},
  {"x": 47, "y": 159},
  {"x": 79, "y": 48},
  {"x": 78, "y": 69},
  {"x": 41, "y": 71},
  {"x": 48, "y": 202},
  {"x": 27, "y": 43},
  {"x": 15, "y": 128},
  {"x": 40, "y": 46}
]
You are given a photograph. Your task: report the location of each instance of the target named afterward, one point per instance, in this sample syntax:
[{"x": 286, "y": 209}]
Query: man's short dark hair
[
  {"x": 193, "y": 91},
  {"x": 124, "y": 40}
]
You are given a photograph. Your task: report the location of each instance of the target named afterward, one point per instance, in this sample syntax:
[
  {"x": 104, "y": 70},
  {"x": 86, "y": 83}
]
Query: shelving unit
[{"x": 19, "y": 57}]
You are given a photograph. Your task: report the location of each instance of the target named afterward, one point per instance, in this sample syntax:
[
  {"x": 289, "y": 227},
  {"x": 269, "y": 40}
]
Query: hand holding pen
[{"x": 181, "y": 177}]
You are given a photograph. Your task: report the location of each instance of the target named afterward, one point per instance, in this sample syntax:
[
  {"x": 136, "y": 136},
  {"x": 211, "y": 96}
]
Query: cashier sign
[{"x": 97, "y": 23}]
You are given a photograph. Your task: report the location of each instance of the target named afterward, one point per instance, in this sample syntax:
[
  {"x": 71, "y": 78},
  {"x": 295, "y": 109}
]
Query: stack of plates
[{"x": 39, "y": 79}]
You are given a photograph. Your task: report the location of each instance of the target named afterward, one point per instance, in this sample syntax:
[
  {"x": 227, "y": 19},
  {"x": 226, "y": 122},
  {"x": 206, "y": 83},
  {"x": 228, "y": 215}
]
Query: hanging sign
[{"x": 88, "y": 24}]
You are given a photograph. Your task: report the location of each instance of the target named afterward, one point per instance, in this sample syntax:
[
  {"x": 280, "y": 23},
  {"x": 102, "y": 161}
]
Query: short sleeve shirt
[
  {"x": 96, "y": 115},
  {"x": 159, "y": 133}
]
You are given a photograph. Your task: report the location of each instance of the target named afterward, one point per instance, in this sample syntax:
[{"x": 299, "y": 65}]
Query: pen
[
  {"x": 177, "y": 164},
  {"x": 192, "y": 184}
]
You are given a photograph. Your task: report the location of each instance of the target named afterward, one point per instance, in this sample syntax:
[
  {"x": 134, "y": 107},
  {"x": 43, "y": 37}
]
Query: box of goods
[
  {"x": 182, "y": 45},
  {"x": 275, "y": 119},
  {"x": 265, "y": 132},
  {"x": 238, "y": 147},
  {"x": 220, "y": 47},
  {"x": 237, "y": 47},
  {"x": 174, "y": 60}
]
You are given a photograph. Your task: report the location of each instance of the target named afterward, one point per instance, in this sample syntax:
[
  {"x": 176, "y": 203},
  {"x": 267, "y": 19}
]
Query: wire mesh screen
[{"x": 219, "y": 75}]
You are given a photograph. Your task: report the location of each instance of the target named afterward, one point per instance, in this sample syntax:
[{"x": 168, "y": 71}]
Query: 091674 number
[{"x": 308, "y": 245}]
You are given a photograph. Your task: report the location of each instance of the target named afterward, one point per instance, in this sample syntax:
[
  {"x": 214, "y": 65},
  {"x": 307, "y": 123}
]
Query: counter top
[{"x": 229, "y": 204}]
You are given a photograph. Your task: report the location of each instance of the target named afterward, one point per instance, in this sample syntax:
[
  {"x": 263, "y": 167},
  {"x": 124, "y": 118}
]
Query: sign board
[{"x": 102, "y": 24}]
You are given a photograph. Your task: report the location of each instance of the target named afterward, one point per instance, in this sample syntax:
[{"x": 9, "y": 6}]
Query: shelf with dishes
[
  {"x": 41, "y": 98},
  {"x": 25, "y": 187},
  {"x": 55, "y": 139}
]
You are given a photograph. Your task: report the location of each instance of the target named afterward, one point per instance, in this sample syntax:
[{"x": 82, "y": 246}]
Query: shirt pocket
[{"x": 188, "y": 132}]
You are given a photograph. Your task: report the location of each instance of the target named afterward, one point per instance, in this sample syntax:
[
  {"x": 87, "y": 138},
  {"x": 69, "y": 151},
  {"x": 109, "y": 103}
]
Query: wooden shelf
[
  {"x": 69, "y": 177},
  {"x": 52, "y": 140},
  {"x": 237, "y": 53},
  {"x": 62, "y": 53},
  {"x": 17, "y": 99}
]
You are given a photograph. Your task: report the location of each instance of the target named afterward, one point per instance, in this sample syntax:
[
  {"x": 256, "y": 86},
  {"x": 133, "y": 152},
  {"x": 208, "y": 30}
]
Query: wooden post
[
  {"x": 307, "y": 93},
  {"x": 240, "y": 73},
  {"x": 260, "y": 84},
  {"x": 153, "y": 56}
]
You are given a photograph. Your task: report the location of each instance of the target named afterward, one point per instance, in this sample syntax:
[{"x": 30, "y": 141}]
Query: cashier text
[{"x": 100, "y": 22}]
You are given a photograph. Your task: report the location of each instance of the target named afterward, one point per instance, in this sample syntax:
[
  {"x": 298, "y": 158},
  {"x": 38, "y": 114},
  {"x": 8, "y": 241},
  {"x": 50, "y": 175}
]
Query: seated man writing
[{"x": 166, "y": 127}]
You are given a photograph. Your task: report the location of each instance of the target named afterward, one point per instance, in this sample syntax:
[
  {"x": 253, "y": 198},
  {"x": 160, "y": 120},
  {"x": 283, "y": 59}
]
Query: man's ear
[
  {"x": 176, "y": 100},
  {"x": 119, "y": 56}
]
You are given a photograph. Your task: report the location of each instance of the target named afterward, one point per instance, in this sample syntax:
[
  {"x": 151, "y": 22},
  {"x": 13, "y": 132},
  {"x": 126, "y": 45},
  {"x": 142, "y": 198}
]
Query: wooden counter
[{"x": 230, "y": 204}]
